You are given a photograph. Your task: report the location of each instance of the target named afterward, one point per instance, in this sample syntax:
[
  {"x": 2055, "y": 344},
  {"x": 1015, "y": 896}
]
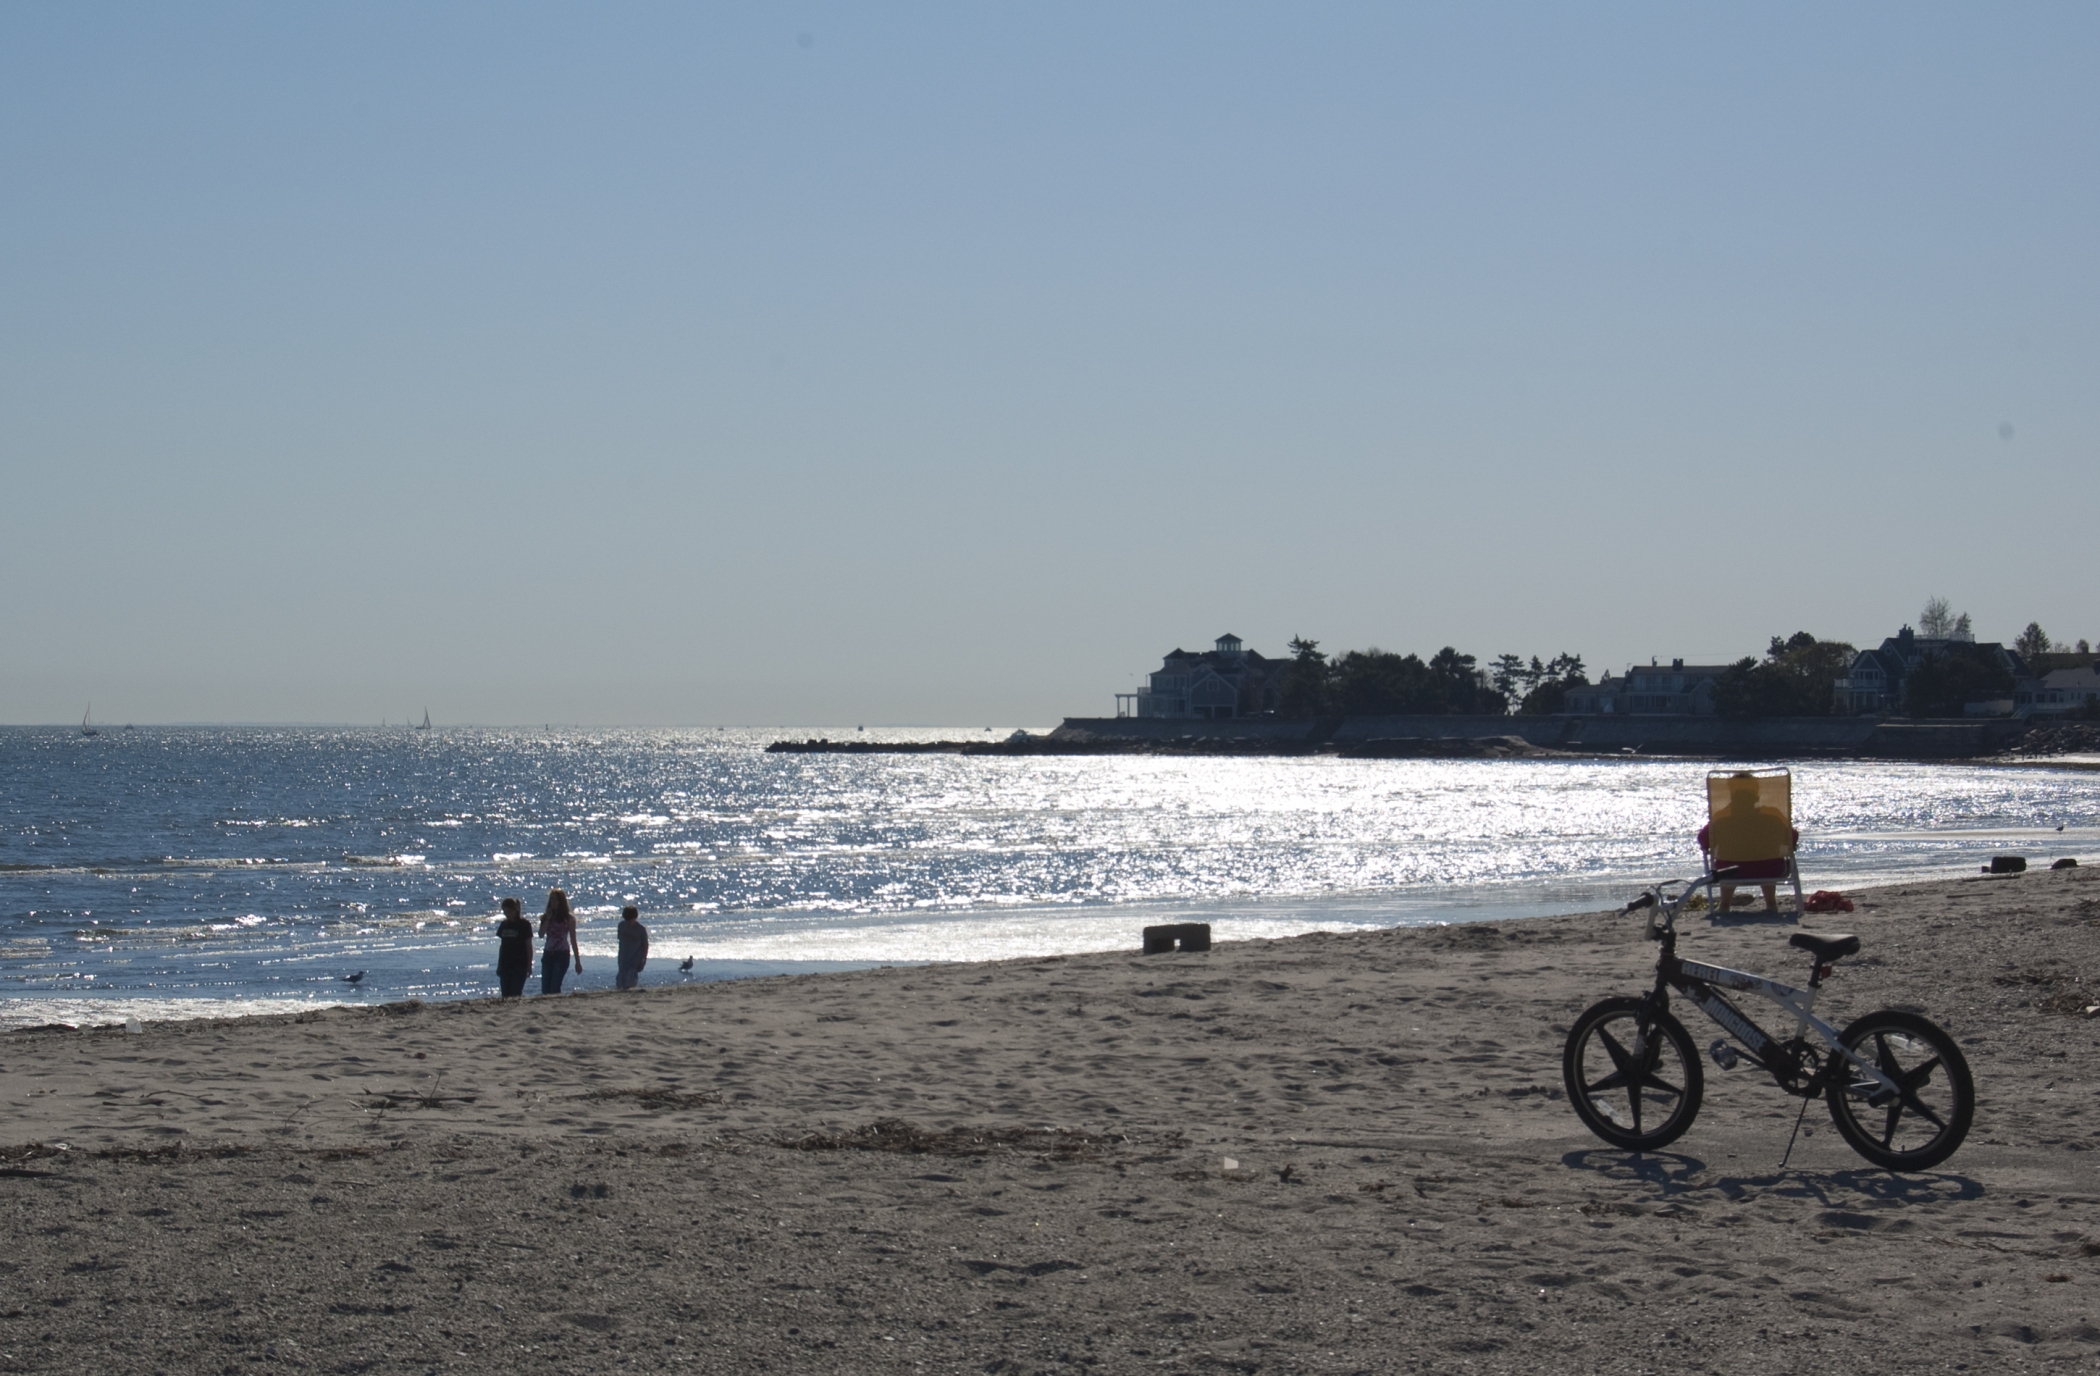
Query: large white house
[
  {"x": 1227, "y": 681},
  {"x": 2059, "y": 692}
]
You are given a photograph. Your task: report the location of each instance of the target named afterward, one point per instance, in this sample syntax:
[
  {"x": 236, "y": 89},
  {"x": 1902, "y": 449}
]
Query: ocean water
[{"x": 170, "y": 872}]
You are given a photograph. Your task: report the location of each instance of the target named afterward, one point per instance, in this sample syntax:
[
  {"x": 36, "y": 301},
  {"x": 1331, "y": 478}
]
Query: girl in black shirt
[{"x": 514, "y": 949}]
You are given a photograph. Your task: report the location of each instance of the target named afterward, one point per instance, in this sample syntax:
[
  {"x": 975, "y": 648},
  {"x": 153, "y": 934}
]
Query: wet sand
[{"x": 1335, "y": 1153}]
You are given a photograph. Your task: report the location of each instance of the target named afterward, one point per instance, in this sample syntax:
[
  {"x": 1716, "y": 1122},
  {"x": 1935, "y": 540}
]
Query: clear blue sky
[{"x": 681, "y": 364}]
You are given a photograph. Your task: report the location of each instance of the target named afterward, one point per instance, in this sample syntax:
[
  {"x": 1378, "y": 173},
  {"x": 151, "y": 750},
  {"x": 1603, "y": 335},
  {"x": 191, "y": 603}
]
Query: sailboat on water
[
  {"x": 85, "y": 729},
  {"x": 426, "y": 720}
]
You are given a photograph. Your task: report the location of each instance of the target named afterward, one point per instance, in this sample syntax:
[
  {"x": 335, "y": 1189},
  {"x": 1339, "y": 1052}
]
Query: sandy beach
[{"x": 1325, "y": 1154}]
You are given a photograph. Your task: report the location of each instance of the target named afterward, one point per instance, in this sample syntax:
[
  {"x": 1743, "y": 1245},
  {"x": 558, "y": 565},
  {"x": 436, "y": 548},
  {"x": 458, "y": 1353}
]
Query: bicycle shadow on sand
[
  {"x": 1744, "y": 918},
  {"x": 1682, "y": 1178}
]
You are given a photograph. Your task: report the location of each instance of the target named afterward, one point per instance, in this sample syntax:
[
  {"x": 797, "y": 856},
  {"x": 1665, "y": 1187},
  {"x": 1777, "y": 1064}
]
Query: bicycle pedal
[{"x": 1725, "y": 1056}]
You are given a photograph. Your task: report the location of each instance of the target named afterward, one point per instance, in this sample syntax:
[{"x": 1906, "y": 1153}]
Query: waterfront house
[
  {"x": 1599, "y": 699},
  {"x": 1874, "y": 682},
  {"x": 2058, "y": 692},
  {"x": 1653, "y": 689},
  {"x": 1226, "y": 681}
]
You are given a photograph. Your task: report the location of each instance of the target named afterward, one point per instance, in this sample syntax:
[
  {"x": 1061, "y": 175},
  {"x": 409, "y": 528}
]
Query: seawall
[{"x": 1704, "y": 737}]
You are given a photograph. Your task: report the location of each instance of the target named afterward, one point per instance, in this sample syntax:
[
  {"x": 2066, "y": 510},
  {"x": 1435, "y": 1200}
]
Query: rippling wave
[{"x": 246, "y": 864}]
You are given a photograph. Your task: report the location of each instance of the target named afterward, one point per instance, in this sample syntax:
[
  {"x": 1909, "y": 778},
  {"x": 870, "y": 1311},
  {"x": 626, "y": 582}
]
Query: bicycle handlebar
[{"x": 1722, "y": 874}]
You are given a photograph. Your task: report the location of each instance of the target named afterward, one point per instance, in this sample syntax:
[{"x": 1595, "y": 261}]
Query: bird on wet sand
[{"x": 687, "y": 965}]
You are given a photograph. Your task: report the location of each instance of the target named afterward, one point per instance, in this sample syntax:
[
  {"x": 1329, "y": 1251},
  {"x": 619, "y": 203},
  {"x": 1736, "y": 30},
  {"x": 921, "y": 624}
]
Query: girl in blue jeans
[{"x": 558, "y": 927}]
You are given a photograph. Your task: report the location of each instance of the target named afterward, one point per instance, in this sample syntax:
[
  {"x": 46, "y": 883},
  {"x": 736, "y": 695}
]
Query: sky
[{"x": 671, "y": 364}]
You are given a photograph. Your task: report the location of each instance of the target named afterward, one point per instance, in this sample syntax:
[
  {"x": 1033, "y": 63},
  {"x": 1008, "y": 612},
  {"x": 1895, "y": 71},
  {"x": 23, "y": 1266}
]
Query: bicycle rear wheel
[
  {"x": 1636, "y": 1086},
  {"x": 1921, "y": 1122}
]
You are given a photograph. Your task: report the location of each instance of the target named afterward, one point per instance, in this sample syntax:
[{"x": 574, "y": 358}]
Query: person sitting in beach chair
[{"x": 1750, "y": 831}]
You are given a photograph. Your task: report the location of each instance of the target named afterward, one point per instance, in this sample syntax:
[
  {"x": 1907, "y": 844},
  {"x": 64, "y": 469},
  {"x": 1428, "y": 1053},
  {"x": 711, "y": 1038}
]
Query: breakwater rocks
[
  {"x": 1022, "y": 743},
  {"x": 1471, "y": 737},
  {"x": 2057, "y": 738},
  {"x": 1447, "y": 748},
  {"x": 1680, "y": 737}
]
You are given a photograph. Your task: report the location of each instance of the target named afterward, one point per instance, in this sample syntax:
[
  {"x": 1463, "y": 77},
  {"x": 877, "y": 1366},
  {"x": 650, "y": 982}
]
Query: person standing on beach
[
  {"x": 513, "y": 949},
  {"x": 634, "y": 948},
  {"x": 558, "y": 926}
]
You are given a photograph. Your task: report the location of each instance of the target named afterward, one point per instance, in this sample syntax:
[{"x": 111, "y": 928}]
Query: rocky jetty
[
  {"x": 1056, "y": 743},
  {"x": 1448, "y": 748},
  {"x": 2057, "y": 738},
  {"x": 1511, "y": 738}
]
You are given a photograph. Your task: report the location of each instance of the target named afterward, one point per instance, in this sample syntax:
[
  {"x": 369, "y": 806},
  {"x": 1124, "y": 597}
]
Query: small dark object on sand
[
  {"x": 2067, "y": 863},
  {"x": 2006, "y": 864},
  {"x": 1189, "y": 936}
]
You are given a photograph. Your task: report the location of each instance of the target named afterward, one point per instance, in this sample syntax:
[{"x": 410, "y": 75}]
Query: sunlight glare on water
[{"x": 256, "y": 864}]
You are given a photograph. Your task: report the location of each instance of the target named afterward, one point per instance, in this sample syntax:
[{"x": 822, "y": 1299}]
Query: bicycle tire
[
  {"x": 1938, "y": 1102},
  {"x": 1632, "y": 1104}
]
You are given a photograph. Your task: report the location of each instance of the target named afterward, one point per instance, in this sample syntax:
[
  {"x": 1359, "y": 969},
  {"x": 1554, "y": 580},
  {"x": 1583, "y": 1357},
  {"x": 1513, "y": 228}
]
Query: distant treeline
[
  {"x": 1796, "y": 678},
  {"x": 1379, "y": 683}
]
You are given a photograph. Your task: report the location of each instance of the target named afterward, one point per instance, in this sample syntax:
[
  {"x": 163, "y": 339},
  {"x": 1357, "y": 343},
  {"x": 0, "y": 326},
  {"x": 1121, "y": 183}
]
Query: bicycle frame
[{"x": 1702, "y": 984}]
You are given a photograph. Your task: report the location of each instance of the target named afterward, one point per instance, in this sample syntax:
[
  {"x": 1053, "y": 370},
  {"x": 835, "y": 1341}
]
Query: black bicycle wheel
[
  {"x": 1635, "y": 1086},
  {"x": 1918, "y": 1124}
]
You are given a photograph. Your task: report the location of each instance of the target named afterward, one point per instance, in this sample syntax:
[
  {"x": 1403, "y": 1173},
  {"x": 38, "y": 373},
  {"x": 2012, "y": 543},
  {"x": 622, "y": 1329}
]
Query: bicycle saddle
[{"x": 1826, "y": 948}]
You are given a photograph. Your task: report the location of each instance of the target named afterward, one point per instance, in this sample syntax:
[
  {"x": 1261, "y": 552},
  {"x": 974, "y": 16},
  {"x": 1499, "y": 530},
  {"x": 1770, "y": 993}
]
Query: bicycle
[{"x": 1898, "y": 1087}]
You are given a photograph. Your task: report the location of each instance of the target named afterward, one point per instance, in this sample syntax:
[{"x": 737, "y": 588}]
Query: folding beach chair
[{"x": 1750, "y": 829}]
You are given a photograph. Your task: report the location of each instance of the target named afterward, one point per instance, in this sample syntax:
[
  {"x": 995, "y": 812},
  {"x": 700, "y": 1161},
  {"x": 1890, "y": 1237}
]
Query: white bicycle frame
[{"x": 1700, "y": 983}]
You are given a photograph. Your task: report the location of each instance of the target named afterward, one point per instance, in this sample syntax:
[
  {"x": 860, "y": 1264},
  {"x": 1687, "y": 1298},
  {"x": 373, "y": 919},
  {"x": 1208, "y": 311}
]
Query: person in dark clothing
[
  {"x": 513, "y": 949},
  {"x": 634, "y": 947}
]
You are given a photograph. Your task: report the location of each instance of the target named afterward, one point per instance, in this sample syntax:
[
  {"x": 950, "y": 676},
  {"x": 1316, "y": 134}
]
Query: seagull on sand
[
  {"x": 687, "y": 966},
  {"x": 357, "y": 978}
]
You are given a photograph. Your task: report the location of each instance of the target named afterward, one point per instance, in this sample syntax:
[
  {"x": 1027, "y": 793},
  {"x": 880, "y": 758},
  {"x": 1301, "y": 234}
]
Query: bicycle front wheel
[
  {"x": 1634, "y": 1080},
  {"x": 1920, "y": 1122}
]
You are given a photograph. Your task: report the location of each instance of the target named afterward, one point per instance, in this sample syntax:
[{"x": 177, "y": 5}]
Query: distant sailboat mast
[
  {"x": 426, "y": 720},
  {"x": 85, "y": 729}
]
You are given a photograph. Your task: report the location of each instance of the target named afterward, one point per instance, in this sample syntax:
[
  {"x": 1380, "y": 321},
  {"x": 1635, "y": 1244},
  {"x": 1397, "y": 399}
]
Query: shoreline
[
  {"x": 464, "y": 969},
  {"x": 1023, "y": 1165},
  {"x": 1980, "y": 741}
]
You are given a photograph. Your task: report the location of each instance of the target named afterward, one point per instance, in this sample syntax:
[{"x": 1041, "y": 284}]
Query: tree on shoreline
[
  {"x": 1546, "y": 685},
  {"x": 1378, "y": 683},
  {"x": 1939, "y": 621},
  {"x": 1539, "y": 688},
  {"x": 1798, "y": 678},
  {"x": 1305, "y": 682},
  {"x": 1944, "y": 683}
]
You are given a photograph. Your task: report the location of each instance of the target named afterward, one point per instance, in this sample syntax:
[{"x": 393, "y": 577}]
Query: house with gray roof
[
  {"x": 1875, "y": 680},
  {"x": 1651, "y": 689},
  {"x": 2059, "y": 692},
  {"x": 1225, "y": 681}
]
